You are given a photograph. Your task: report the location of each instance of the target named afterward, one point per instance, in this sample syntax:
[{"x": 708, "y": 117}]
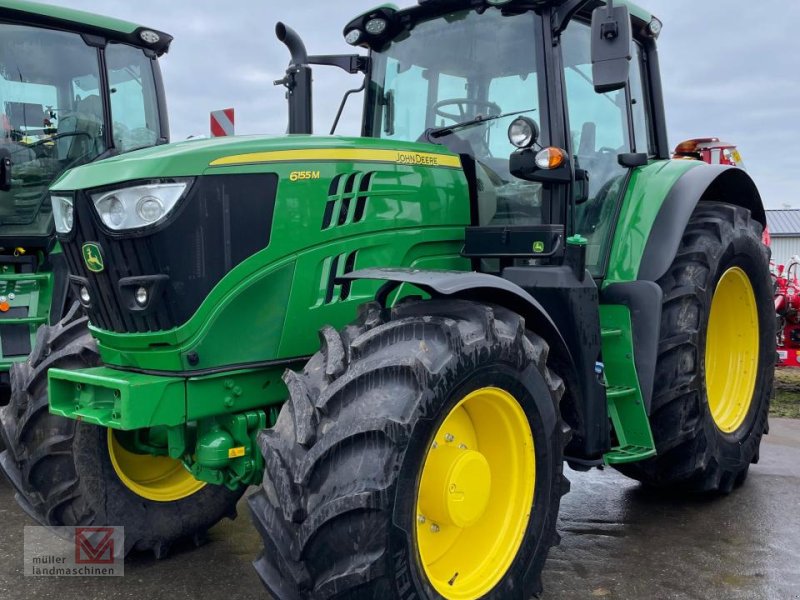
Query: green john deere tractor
[
  {"x": 74, "y": 88},
  {"x": 60, "y": 107},
  {"x": 402, "y": 337}
]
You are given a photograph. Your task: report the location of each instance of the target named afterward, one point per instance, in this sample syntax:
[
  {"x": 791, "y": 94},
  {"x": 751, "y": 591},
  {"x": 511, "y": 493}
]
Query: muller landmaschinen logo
[{"x": 93, "y": 257}]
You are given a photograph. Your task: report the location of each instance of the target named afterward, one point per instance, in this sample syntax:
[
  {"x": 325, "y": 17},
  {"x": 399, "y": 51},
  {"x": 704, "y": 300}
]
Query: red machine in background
[
  {"x": 710, "y": 150},
  {"x": 787, "y": 308}
]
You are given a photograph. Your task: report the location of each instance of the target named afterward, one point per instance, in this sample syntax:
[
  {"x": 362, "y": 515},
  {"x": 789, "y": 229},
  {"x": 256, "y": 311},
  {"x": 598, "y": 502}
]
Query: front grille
[{"x": 223, "y": 220}]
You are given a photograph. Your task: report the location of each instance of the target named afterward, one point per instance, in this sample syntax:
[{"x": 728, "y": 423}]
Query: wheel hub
[{"x": 456, "y": 487}]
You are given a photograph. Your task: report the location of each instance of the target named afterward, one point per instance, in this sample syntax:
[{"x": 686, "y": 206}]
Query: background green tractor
[
  {"x": 56, "y": 113},
  {"x": 527, "y": 277},
  {"x": 75, "y": 88}
]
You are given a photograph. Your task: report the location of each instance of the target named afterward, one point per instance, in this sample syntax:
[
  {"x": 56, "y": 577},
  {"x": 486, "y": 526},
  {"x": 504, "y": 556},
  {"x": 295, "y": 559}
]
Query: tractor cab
[
  {"x": 507, "y": 86},
  {"x": 73, "y": 88}
]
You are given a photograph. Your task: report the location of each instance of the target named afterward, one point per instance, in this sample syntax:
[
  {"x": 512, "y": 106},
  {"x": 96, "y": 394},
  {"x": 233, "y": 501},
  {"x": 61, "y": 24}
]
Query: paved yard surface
[{"x": 619, "y": 542}]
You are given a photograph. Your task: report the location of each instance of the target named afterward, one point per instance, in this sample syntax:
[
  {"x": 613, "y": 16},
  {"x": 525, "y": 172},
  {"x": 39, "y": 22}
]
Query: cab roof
[{"x": 57, "y": 17}]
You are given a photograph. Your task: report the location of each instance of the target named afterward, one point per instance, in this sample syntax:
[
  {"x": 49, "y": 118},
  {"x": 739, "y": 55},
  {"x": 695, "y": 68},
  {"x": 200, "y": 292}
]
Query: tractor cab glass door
[
  {"x": 51, "y": 112},
  {"x": 602, "y": 126},
  {"x": 454, "y": 69}
]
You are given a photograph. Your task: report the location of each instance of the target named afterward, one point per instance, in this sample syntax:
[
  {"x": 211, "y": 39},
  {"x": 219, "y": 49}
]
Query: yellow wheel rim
[
  {"x": 732, "y": 350},
  {"x": 475, "y": 494},
  {"x": 157, "y": 478}
]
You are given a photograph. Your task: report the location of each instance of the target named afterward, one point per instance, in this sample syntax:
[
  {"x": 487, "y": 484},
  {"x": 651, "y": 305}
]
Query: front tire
[
  {"x": 68, "y": 473},
  {"x": 716, "y": 356},
  {"x": 417, "y": 455}
]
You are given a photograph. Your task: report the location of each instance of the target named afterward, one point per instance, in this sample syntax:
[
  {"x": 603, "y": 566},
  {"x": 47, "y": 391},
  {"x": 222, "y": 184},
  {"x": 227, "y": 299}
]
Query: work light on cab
[{"x": 523, "y": 132}]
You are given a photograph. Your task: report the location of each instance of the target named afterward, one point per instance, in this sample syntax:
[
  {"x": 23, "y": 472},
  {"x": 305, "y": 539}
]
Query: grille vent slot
[
  {"x": 334, "y": 267},
  {"x": 347, "y": 199}
]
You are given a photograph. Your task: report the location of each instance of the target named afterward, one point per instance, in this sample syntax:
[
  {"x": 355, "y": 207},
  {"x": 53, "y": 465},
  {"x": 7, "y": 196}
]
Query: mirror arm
[{"x": 352, "y": 63}]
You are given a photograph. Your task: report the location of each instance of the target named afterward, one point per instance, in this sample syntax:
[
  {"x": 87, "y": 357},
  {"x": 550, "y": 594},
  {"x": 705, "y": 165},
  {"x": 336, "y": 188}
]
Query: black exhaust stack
[{"x": 297, "y": 82}]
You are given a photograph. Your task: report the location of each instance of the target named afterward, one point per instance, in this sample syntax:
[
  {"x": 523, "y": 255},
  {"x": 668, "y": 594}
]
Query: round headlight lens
[
  {"x": 522, "y": 133},
  {"x": 353, "y": 37},
  {"x": 150, "y": 209},
  {"x": 112, "y": 211},
  {"x": 141, "y": 296},
  {"x": 85, "y": 297},
  {"x": 151, "y": 37},
  {"x": 376, "y": 26}
]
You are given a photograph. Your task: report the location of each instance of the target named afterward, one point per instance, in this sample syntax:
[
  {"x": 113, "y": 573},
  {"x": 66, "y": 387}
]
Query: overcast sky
[{"x": 731, "y": 69}]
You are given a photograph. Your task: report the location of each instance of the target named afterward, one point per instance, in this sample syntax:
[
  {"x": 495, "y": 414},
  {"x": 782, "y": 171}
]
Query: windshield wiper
[{"x": 438, "y": 132}]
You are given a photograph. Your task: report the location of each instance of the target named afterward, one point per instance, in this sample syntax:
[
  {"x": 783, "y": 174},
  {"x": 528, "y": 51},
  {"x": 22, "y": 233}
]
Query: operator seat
[{"x": 87, "y": 117}]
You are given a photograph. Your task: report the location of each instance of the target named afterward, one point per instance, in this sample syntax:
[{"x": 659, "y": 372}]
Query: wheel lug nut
[
  {"x": 449, "y": 438},
  {"x": 434, "y": 528},
  {"x": 421, "y": 519},
  {"x": 462, "y": 447}
]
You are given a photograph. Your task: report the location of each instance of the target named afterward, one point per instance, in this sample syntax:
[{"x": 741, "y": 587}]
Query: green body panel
[
  {"x": 74, "y": 18},
  {"x": 647, "y": 190},
  {"x": 625, "y": 404}
]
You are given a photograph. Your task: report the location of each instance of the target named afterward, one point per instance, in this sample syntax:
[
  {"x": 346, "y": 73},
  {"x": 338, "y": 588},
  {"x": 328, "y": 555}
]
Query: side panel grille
[
  {"x": 347, "y": 199},
  {"x": 334, "y": 267}
]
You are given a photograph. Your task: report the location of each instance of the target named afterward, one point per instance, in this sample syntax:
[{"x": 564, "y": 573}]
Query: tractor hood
[{"x": 198, "y": 157}]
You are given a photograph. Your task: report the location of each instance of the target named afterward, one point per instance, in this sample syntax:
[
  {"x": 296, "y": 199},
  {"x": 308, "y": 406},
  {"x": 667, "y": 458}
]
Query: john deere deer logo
[{"x": 93, "y": 257}]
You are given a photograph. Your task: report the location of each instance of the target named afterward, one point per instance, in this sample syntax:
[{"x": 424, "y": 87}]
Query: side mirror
[
  {"x": 611, "y": 47},
  {"x": 5, "y": 171}
]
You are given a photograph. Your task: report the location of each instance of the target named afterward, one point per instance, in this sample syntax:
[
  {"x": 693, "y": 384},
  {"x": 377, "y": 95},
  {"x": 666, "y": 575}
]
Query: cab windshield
[
  {"x": 453, "y": 69},
  {"x": 52, "y": 115}
]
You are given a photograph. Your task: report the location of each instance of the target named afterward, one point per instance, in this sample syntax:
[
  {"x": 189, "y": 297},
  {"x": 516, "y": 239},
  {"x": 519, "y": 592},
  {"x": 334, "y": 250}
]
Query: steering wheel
[
  {"x": 462, "y": 104},
  {"x": 57, "y": 136}
]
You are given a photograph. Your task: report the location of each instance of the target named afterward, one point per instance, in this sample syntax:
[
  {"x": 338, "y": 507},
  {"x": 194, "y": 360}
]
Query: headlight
[
  {"x": 63, "y": 212},
  {"x": 138, "y": 206},
  {"x": 523, "y": 132}
]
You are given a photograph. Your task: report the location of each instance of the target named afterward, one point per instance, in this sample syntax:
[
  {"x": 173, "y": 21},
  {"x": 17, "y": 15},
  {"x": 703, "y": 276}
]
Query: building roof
[{"x": 783, "y": 222}]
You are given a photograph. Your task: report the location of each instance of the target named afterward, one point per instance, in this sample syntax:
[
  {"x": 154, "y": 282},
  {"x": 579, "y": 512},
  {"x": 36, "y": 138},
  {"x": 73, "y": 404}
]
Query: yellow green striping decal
[{"x": 398, "y": 157}]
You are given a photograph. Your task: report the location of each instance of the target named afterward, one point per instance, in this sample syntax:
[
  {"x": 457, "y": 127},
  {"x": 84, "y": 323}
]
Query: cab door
[{"x": 601, "y": 128}]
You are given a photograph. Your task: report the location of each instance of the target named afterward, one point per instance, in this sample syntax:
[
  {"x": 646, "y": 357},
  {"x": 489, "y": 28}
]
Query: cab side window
[
  {"x": 639, "y": 102},
  {"x": 600, "y": 127}
]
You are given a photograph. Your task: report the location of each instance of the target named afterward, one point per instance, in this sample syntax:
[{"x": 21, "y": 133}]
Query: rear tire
[
  {"x": 339, "y": 509},
  {"x": 701, "y": 446},
  {"x": 62, "y": 469}
]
